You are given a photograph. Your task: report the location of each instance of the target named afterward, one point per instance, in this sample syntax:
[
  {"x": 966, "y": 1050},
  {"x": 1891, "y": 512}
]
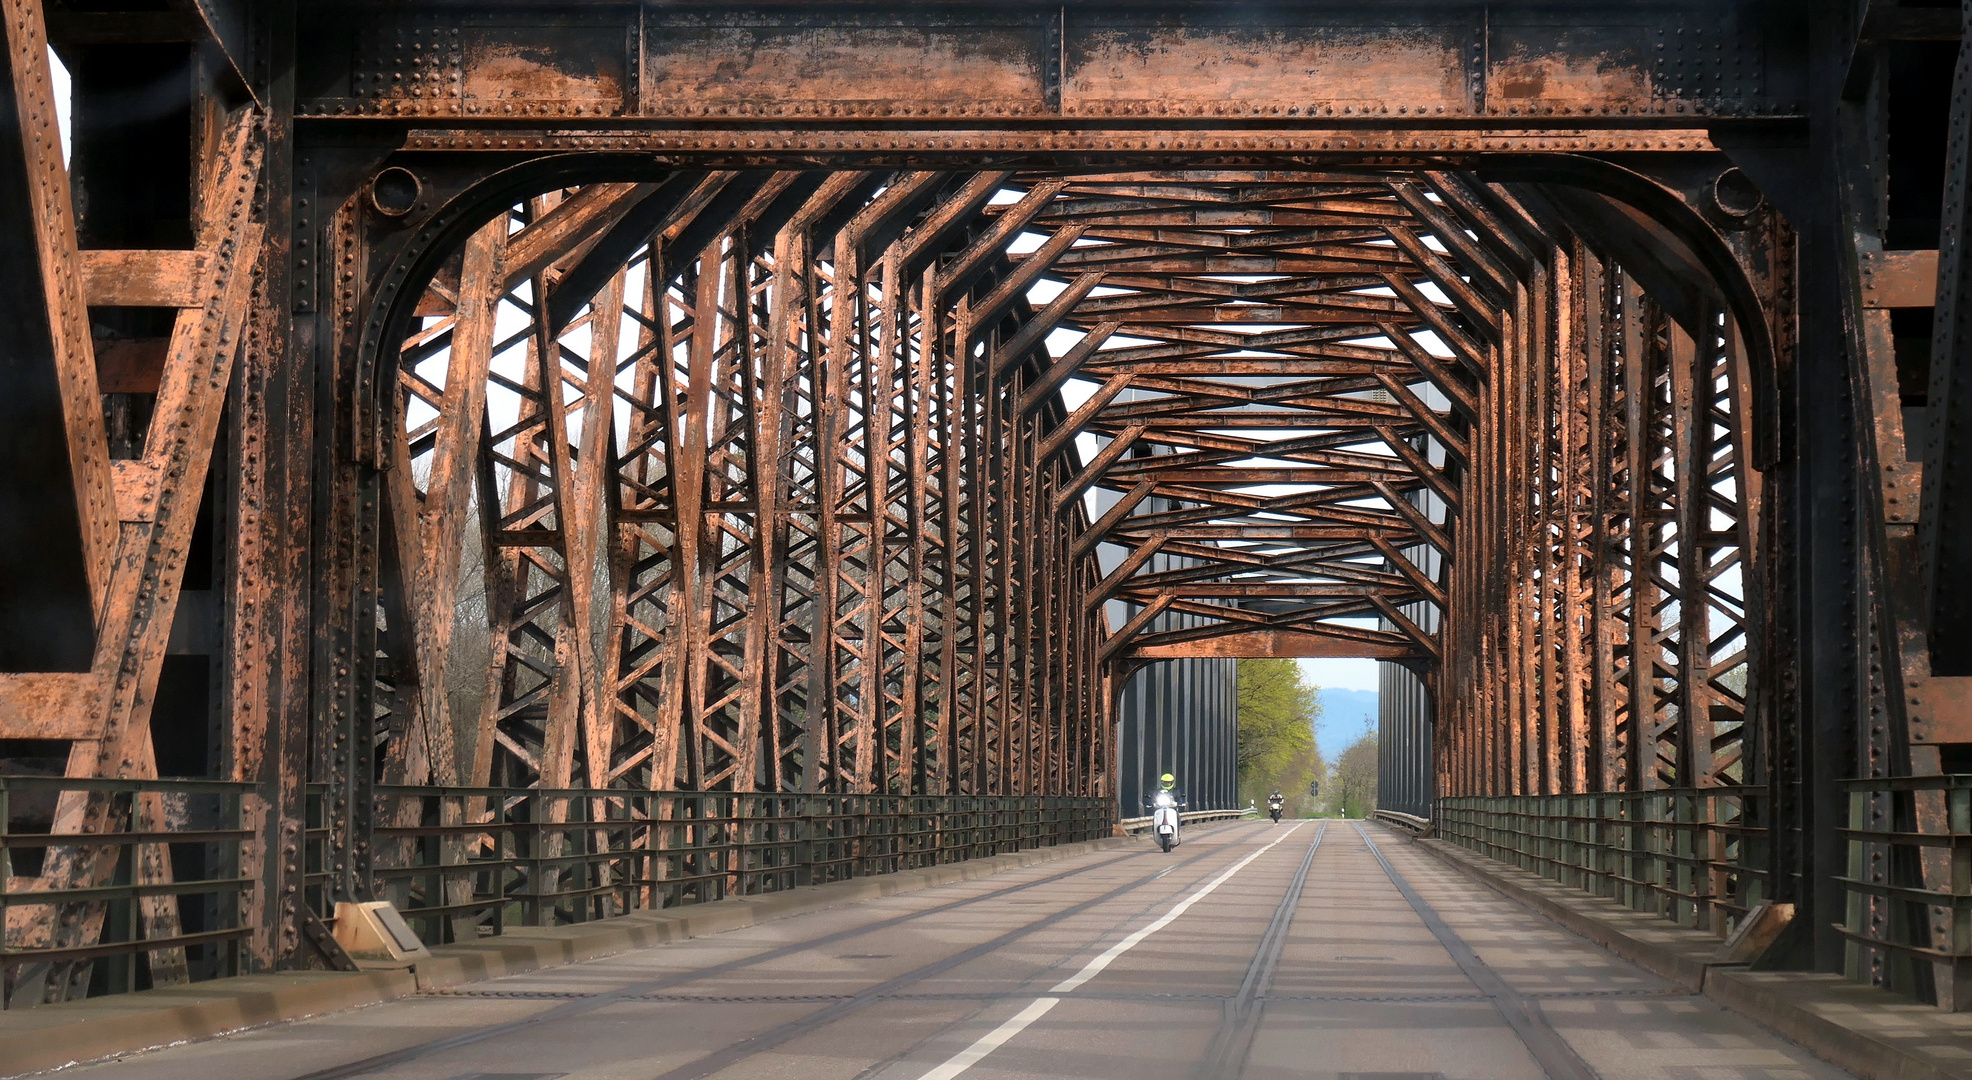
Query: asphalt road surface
[{"x": 1311, "y": 950}]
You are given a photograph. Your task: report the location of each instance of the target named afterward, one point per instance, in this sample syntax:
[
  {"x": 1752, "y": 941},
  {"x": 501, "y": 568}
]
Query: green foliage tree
[
  {"x": 1278, "y": 711},
  {"x": 1353, "y": 783}
]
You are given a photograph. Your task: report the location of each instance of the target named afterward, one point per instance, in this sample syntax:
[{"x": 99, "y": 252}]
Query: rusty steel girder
[
  {"x": 829, "y": 400},
  {"x": 948, "y": 67},
  {"x": 771, "y": 466}
]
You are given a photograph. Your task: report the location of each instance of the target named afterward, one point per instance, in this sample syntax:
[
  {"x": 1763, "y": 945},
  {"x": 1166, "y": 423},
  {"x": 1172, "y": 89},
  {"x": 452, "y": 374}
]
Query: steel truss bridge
[{"x": 610, "y": 455}]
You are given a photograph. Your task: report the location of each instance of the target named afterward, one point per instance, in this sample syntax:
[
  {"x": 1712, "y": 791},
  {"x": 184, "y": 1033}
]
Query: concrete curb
[
  {"x": 1826, "y": 1015},
  {"x": 53, "y": 1036},
  {"x": 1656, "y": 945}
]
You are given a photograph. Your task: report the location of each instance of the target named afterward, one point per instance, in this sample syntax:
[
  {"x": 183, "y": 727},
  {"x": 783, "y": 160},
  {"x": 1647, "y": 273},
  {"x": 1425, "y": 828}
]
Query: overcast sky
[{"x": 58, "y": 75}]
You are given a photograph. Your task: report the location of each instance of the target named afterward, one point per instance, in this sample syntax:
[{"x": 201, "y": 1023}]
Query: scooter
[{"x": 1164, "y": 821}]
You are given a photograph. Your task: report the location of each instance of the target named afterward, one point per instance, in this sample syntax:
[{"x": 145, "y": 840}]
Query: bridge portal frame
[
  {"x": 1656, "y": 98},
  {"x": 1633, "y": 144}
]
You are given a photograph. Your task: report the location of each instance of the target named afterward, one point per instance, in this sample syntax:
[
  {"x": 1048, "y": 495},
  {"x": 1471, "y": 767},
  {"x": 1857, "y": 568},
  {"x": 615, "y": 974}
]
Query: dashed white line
[{"x": 993, "y": 1040}]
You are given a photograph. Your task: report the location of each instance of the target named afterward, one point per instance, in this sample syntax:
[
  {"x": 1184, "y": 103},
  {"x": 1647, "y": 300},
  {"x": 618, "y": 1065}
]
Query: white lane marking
[
  {"x": 1094, "y": 967},
  {"x": 991, "y": 1041},
  {"x": 994, "y": 1039}
]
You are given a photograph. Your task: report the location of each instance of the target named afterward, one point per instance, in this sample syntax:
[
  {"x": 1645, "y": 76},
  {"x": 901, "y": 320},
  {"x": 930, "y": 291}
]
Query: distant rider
[{"x": 1275, "y": 803}]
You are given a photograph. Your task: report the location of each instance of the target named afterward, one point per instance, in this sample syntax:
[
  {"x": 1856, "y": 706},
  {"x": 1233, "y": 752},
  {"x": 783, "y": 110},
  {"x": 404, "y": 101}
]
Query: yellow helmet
[{"x": 1168, "y": 779}]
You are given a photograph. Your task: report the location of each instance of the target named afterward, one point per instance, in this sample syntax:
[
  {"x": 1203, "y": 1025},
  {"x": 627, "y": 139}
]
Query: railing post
[
  {"x": 1956, "y": 973},
  {"x": 1854, "y": 915},
  {"x": 527, "y": 845},
  {"x": 804, "y": 842}
]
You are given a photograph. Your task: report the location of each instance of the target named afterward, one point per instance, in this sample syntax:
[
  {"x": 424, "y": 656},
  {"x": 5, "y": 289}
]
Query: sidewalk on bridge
[
  {"x": 53, "y": 1036},
  {"x": 1870, "y": 1032}
]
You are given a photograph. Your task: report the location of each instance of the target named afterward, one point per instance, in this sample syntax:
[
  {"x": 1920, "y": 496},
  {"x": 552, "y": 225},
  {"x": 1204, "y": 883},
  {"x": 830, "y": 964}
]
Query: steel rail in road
[
  {"x": 1242, "y": 1013},
  {"x": 747, "y": 1048},
  {"x": 1239, "y": 1022},
  {"x": 1552, "y": 1052},
  {"x": 1231, "y": 961},
  {"x": 958, "y": 1064}
]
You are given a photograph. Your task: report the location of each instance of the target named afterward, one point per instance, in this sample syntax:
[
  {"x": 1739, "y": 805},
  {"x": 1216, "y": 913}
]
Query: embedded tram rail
[{"x": 1315, "y": 949}]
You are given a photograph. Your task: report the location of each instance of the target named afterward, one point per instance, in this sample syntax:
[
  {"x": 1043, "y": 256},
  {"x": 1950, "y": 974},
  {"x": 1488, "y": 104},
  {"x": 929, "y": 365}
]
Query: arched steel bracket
[{"x": 1678, "y": 206}]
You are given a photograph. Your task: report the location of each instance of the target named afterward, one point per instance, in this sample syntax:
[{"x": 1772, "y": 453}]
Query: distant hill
[{"x": 1344, "y": 713}]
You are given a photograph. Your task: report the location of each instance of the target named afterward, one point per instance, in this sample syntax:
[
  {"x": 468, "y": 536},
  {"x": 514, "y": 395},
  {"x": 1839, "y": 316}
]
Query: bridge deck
[{"x": 1311, "y": 957}]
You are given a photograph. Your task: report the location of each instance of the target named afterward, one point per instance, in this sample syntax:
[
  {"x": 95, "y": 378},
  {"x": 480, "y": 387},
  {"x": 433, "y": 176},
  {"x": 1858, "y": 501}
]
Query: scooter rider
[
  {"x": 1165, "y": 805},
  {"x": 1275, "y": 803}
]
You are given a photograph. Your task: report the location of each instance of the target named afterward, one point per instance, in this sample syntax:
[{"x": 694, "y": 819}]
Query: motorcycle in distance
[
  {"x": 1164, "y": 822},
  {"x": 1275, "y": 803}
]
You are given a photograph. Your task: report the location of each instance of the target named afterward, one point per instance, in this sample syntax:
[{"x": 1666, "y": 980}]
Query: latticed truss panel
[
  {"x": 876, "y": 483},
  {"x": 738, "y": 529},
  {"x": 1627, "y": 572}
]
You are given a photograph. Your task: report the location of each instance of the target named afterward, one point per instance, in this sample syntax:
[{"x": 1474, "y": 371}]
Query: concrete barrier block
[
  {"x": 51, "y": 1036},
  {"x": 718, "y": 917},
  {"x": 1870, "y": 1032}
]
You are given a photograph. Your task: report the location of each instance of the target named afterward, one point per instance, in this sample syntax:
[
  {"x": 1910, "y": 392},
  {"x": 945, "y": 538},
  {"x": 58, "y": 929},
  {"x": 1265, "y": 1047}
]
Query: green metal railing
[
  {"x": 165, "y": 895},
  {"x": 1909, "y": 883},
  {"x": 160, "y": 897},
  {"x": 467, "y": 862},
  {"x": 1695, "y": 856}
]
